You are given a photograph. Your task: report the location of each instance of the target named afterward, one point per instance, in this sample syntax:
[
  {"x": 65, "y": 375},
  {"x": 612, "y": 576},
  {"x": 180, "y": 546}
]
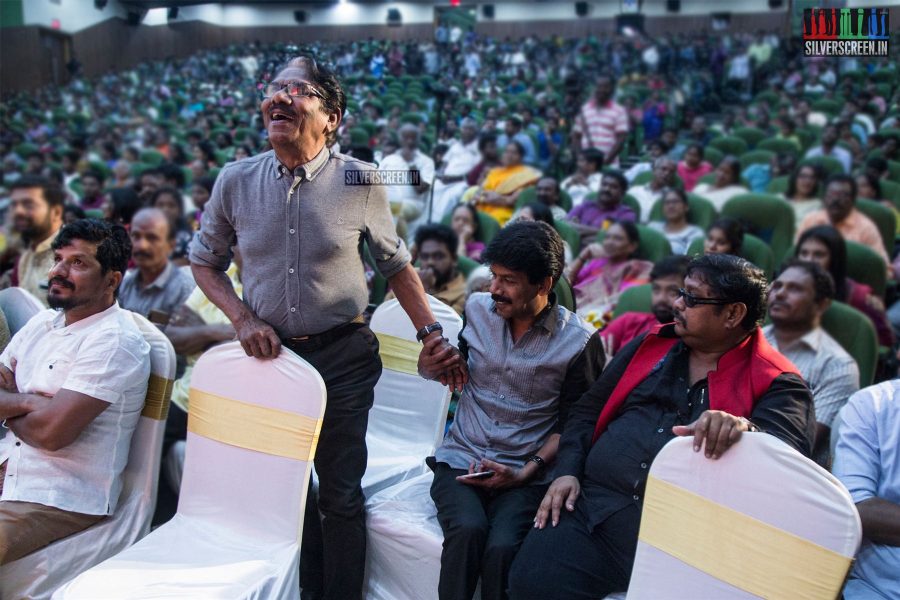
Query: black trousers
[
  {"x": 333, "y": 553},
  {"x": 482, "y": 532},
  {"x": 571, "y": 562}
]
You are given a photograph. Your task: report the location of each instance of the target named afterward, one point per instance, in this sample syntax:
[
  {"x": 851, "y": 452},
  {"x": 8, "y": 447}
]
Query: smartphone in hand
[{"x": 479, "y": 475}]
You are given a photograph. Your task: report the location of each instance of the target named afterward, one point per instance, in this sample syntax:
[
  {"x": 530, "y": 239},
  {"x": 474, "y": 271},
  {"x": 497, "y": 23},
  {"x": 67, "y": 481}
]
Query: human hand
[
  {"x": 257, "y": 338},
  {"x": 565, "y": 489},
  {"x": 503, "y": 478},
  {"x": 440, "y": 361},
  {"x": 427, "y": 276},
  {"x": 8, "y": 378},
  {"x": 720, "y": 429},
  {"x": 467, "y": 232},
  {"x": 591, "y": 251}
]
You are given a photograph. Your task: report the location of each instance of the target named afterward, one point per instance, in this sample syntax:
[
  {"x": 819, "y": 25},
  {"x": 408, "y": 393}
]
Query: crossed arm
[{"x": 48, "y": 423}]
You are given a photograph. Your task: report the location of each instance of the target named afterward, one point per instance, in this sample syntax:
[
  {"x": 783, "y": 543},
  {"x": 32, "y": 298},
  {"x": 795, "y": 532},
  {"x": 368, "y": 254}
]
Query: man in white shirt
[
  {"x": 410, "y": 199},
  {"x": 461, "y": 157},
  {"x": 72, "y": 386},
  {"x": 647, "y": 194},
  {"x": 797, "y": 299}
]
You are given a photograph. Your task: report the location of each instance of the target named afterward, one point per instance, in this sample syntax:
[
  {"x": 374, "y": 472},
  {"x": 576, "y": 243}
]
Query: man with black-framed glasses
[
  {"x": 711, "y": 374},
  {"x": 300, "y": 230}
]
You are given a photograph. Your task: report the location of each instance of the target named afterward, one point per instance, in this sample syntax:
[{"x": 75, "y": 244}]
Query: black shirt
[{"x": 613, "y": 472}]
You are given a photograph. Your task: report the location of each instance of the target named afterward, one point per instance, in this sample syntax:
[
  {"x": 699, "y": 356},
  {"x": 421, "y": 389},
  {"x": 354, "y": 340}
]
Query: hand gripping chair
[
  {"x": 252, "y": 434},
  {"x": 37, "y": 575},
  {"x": 18, "y": 306},
  {"x": 406, "y": 422},
  {"x": 761, "y": 522}
]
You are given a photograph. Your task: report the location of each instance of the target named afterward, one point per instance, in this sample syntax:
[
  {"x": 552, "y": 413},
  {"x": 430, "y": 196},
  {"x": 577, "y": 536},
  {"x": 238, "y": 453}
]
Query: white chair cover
[
  {"x": 37, "y": 575},
  {"x": 406, "y": 423},
  {"x": 240, "y": 513},
  {"x": 18, "y": 305},
  {"x": 762, "y": 521}
]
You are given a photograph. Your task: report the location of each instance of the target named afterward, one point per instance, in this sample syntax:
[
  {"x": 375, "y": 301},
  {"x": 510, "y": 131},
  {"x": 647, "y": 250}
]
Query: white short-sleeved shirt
[{"x": 104, "y": 356}]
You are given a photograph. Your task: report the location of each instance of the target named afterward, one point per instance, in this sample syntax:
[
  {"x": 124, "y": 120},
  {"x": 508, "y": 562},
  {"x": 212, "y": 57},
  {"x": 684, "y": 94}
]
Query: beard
[
  {"x": 64, "y": 303},
  {"x": 663, "y": 314},
  {"x": 34, "y": 229}
]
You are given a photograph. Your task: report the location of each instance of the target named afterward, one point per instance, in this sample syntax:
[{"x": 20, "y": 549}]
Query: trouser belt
[{"x": 311, "y": 343}]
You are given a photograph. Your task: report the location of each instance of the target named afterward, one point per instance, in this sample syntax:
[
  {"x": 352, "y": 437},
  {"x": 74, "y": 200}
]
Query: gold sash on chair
[
  {"x": 159, "y": 392},
  {"x": 398, "y": 354}
]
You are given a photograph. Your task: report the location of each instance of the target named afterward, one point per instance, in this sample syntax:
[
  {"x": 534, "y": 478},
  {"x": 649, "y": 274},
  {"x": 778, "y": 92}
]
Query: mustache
[
  {"x": 499, "y": 298},
  {"x": 62, "y": 282},
  {"x": 141, "y": 254}
]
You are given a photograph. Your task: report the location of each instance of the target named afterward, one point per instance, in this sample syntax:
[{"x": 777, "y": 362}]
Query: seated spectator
[
  {"x": 460, "y": 158},
  {"x": 436, "y": 247},
  {"x": 798, "y": 298},
  {"x": 587, "y": 176},
  {"x": 92, "y": 196},
  {"x": 803, "y": 191},
  {"x": 70, "y": 427},
  {"x": 675, "y": 225},
  {"x": 591, "y": 217},
  {"x": 479, "y": 280},
  {"x": 122, "y": 176},
  {"x": 692, "y": 167},
  {"x": 726, "y": 186},
  {"x": 156, "y": 287},
  {"x": 839, "y": 210},
  {"x": 547, "y": 193},
  {"x": 655, "y": 149},
  {"x": 122, "y": 205},
  {"x": 666, "y": 278},
  {"x": 688, "y": 378},
  {"x": 648, "y": 193},
  {"x": 168, "y": 200},
  {"x": 36, "y": 208},
  {"x": 869, "y": 187},
  {"x": 536, "y": 211},
  {"x": 72, "y": 212},
  {"x": 149, "y": 181},
  {"x": 829, "y": 147},
  {"x": 825, "y": 245},
  {"x": 500, "y": 189},
  {"x": 513, "y": 132},
  {"x": 759, "y": 175},
  {"x": 602, "y": 271},
  {"x": 508, "y": 418},
  {"x": 465, "y": 224},
  {"x": 489, "y": 158},
  {"x": 725, "y": 236},
  {"x": 411, "y": 200},
  {"x": 865, "y": 461},
  {"x": 201, "y": 190}
]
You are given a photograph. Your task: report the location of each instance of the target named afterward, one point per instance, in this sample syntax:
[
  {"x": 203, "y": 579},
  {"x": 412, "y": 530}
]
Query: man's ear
[
  {"x": 735, "y": 315},
  {"x": 823, "y": 305},
  {"x": 114, "y": 279},
  {"x": 546, "y": 286}
]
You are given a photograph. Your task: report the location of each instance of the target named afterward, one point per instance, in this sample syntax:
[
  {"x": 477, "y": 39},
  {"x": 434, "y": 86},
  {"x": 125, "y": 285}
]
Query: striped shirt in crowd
[
  {"x": 828, "y": 370},
  {"x": 600, "y": 124}
]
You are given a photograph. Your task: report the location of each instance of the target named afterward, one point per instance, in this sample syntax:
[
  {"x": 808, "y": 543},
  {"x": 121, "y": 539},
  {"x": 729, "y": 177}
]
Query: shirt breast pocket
[{"x": 52, "y": 374}]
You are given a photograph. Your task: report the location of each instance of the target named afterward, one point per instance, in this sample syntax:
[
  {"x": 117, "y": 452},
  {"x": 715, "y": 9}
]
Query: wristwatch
[
  {"x": 428, "y": 329},
  {"x": 537, "y": 460}
]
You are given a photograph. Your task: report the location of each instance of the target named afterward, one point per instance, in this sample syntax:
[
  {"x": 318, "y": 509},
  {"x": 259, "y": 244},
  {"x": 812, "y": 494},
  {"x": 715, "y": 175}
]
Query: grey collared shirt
[
  {"x": 300, "y": 236},
  {"x": 518, "y": 392},
  {"x": 165, "y": 293}
]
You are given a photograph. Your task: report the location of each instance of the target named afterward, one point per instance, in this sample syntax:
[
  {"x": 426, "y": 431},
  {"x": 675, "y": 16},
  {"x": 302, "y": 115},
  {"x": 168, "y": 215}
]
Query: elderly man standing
[
  {"x": 299, "y": 228},
  {"x": 711, "y": 375},
  {"x": 412, "y": 200}
]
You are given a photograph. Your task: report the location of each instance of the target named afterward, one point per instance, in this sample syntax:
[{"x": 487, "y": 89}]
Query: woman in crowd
[
  {"x": 464, "y": 222},
  {"x": 604, "y": 270},
  {"x": 826, "y": 246},
  {"x": 727, "y": 183},
  {"x": 169, "y": 201},
  {"x": 201, "y": 190},
  {"x": 500, "y": 189},
  {"x": 725, "y": 236},
  {"x": 538, "y": 211},
  {"x": 692, "y": 167},
  {"x": 675, "y": 224},
  {"x": 803, "y": 191}
]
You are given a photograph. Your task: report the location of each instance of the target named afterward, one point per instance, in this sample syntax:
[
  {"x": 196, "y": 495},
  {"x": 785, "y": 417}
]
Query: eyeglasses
[
  {"x": 294, "y": 89},
  {"x": 691, "y": 301}
]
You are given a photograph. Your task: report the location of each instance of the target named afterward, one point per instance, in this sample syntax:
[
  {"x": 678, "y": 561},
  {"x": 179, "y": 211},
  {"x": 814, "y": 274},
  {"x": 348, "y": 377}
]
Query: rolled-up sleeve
[
  {"x": 389, "y": 251},
  {"x": 211, "y": 247}
]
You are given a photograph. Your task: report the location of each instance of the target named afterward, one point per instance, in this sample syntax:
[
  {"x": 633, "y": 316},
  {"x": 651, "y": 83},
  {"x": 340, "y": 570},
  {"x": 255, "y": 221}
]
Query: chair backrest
[
  {"x": 529, "y": 194},
  {"x": 756, "y": 157},
  {"x": 637, "y": 298},
  {"x": 631, "y": 202},
  {"x": 762, "y": 521},
  {"x": 779, "y": 146},
  {"x": 884, "y": 219},
  {"x": 39, "y": 573},
  {"x": 569, "y": 234},
  {"x": 252, "y": 432},
  {"x": 752, "y": 248},
  {"x": 18, "y": 306},
  {"x": 829, "y": 164},
  {"x": 729, "y": 144},
  {"x": 751, "y": 135},
  {"x": 565, "y": 295},
  {"x": 713, "y": 155},
  {"x": 778, "y": 185},
  {"x": 772, "y": 216},
  {"x": 701, "y": 212},
  {"x": 854, "y": 331},
  {"x": 408, "y": 410},
  {"x": 866, "y": 266}
]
